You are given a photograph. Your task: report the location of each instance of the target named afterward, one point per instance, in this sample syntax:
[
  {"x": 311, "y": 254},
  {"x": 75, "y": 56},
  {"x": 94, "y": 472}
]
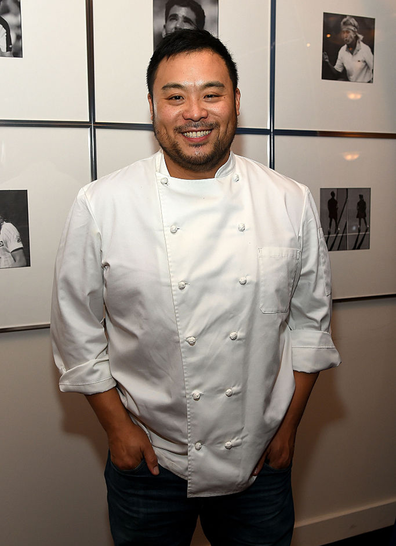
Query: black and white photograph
[
  {"x": 10, "y": 28},
  {"x": 348, "y": 48},
  {"x": 14, "y": 229},
  {"x": 345, "y": 218},
  {"x": 172, "y": 15}
]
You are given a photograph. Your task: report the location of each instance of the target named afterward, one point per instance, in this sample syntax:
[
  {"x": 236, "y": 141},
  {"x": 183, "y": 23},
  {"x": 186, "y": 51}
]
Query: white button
[
  {"x": 196, "y": 395},
  {"x": 233, "y": 336},
  {"x": 191, "y": 340},
  {"x": 164, "y": 181},
  {"x": 173, "y": 229},
  {"x": 228, "y": 392},
  {"x": 241, "y": 227},
  {"x": 198, "y": 446},
  {"x": 228, "y": 445},
  {"x": 243, "y": 280},
  {"x": 236, "y": 178},
  {"x": 182, "y": 285}
]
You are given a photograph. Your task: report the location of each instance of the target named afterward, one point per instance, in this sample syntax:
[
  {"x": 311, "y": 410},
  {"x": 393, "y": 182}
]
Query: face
[
  {"x": 180, "y": 18},
  {"x": 348, "y": 36},
  {"x": 194, "y": 111}
]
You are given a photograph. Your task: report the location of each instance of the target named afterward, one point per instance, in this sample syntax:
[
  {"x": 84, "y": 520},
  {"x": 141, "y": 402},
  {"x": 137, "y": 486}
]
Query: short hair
[
  {"x": 188, "y": 41},
  {"x": 192, "y": 4}
]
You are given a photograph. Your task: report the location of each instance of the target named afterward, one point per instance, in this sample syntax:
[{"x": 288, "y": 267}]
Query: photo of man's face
[
  {"x": 172, "y": 15},
  {"x": 180, "y": 18}
]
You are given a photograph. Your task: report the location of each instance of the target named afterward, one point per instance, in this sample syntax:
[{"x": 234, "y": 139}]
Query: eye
[{"x": 175, "y": 98}]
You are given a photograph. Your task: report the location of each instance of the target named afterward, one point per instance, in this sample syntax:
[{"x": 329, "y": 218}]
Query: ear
[
  {"x": 151, "y": 106},
  {"x": 163, "y": 32},
  {"x": 237, "y": 101}
]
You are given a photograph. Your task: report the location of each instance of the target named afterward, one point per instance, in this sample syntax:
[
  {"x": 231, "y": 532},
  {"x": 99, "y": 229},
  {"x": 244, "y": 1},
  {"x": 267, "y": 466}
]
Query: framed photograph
[
  {"x": 325, "y": 84},
  {"x": 362, "y": 223},
  {"x": 36, "y": 85},
  {"x": 348, "y": 48},
  {"x": 171, "y": 15},
  {"x": 120, "y": 72},
  {"x": 14, "y": 229},
  {"x": 345, "y": 218},
  {"x": 38, "y": 184},
  {"x": 10, "y": 29}
]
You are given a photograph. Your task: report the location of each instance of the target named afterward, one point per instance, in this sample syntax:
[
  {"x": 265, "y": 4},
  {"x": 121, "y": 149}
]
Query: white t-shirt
[{"x": 358, "y": 65}]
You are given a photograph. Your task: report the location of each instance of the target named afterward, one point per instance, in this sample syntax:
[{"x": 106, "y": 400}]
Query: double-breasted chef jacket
[{"x": 214, "y": 291}]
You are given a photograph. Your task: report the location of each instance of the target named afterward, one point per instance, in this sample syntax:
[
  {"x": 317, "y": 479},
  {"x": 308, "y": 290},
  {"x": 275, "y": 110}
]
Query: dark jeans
[{"x": 147, "y": 510}]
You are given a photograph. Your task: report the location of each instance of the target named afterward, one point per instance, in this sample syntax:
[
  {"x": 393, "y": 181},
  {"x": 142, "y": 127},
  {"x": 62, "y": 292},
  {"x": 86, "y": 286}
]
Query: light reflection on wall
[
  {"x": 354, "y": 96},
  {"x": 350, "y": 156}
]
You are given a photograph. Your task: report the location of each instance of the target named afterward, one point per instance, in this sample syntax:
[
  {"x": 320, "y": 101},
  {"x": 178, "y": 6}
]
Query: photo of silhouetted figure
[
  {"x": 332, "y": 205},
  {"x": 346, "y": 208},
  {"x": 361, "y": 211}
]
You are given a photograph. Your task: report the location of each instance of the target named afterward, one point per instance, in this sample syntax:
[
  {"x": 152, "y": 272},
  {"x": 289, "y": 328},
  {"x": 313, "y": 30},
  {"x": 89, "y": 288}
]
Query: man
[
  {"x": 355, "y": 56},
  {"x": 361, "y": 211},
  {"x": 332, "y": 206},
  {"x": 183, "y": 14},
  {"x": 214, "y": 276},
  {"x": 5, "y": 38},
  {"x": 11, "y": 247}
]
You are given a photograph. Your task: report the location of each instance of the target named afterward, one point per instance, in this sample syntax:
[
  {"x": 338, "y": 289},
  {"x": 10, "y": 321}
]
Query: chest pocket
[{"x": 278, "y": 270}]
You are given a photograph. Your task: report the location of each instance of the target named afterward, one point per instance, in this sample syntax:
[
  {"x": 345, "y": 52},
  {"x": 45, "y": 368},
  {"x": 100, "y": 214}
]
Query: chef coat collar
[{"x": 223, "y": 171}]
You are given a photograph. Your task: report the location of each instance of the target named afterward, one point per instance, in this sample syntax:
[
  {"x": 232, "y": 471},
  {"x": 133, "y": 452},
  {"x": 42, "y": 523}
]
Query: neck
[
  {"x": 197, "y": 172},
  {"x": 352, "y": 46}
]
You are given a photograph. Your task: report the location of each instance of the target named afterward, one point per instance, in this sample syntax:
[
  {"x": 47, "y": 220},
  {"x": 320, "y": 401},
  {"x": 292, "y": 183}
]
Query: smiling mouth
[{"x": 196, "y": 134}]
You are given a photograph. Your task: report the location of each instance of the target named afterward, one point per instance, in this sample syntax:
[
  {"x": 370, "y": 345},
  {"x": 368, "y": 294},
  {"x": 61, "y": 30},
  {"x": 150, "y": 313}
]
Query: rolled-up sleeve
[
  {"x": 78, "y": 336},
  {"x": 310, "y": 312}
]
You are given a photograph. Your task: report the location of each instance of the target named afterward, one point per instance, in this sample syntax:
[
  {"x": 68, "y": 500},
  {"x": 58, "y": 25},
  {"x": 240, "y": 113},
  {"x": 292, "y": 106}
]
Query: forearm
[
  {"x": 304, "y": 384},
  {"x": 128, "y": 443},
  {"x": 334, "y": 71},
  {"x": 110, "y": 411},
  {"x": 280, "y": 451},
  {"x": 19, "y": 258}
]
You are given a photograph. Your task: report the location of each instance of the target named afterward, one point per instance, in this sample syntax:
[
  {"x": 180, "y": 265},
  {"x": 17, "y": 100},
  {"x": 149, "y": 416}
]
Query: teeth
[{"x": 196, "y": 134}]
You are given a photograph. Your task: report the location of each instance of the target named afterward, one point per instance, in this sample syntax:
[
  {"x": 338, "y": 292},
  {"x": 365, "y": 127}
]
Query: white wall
[{"x": 53, "y": 450}]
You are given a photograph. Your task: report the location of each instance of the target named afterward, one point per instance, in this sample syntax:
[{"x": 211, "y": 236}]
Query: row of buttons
[
  {"x": 174, "y": 228},
  {"x": 198, "y": 445},
  {"x": 191, "y": 340},
  {"x": 182, "y": 284},
  {"x": 197, "y": 395},
  {"x": 165, "y": 181}
]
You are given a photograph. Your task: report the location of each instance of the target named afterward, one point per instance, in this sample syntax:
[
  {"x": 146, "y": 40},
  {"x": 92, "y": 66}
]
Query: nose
[{"x": 194, "y": 110}]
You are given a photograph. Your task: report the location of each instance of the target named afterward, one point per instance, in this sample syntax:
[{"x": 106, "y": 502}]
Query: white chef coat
[{"x": 214, "y": 290}]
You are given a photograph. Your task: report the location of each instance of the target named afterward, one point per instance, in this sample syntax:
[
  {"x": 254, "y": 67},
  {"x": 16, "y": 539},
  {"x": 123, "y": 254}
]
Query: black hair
[
  {"x": 194, "y": 6},
  {"x": 184, "y": 41}
]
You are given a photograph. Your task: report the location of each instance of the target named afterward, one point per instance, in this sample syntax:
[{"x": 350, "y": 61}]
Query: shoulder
[
  {"x": 123, "y": 180},
  {"x": 9, "y": 231},
  {"x": 260, "y": 174},
  {"x": 365, "y": 48}
]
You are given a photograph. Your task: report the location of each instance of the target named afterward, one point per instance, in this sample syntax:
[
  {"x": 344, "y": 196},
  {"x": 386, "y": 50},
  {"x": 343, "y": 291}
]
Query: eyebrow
[
  {"x": 175, "y": 17},
  {"x": 175, "y": 85}
]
